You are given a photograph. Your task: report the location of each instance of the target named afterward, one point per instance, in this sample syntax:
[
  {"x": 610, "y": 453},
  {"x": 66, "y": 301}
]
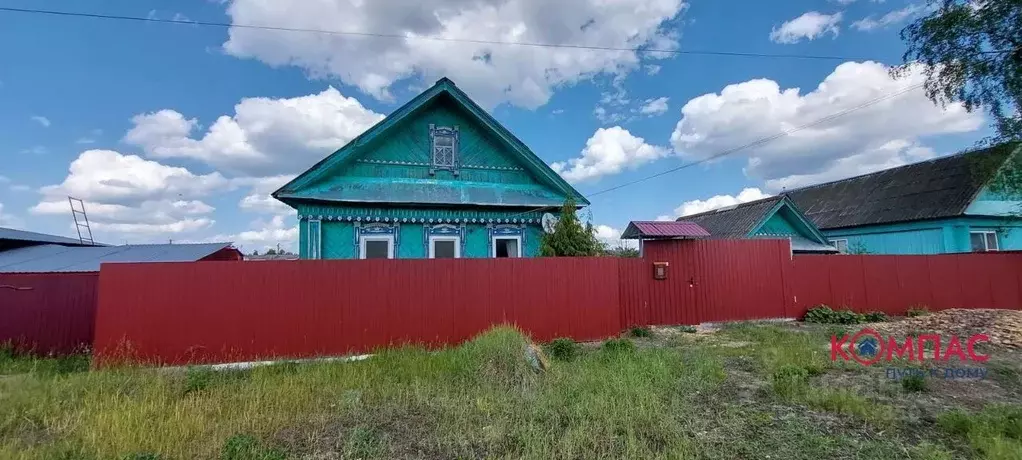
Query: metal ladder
[{"x": 85, "y": 237}]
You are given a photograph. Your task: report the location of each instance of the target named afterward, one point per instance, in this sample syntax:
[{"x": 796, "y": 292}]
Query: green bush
[
  {"x": 640, "y": 332},
  {"x": 825, "y": 315},
  {"x": 563, "y": 349},
  {"x": 913, "y": 312},
  {"x": 790, "y": 381},
  {"x": 622, "y": 345},
  {"x": 914, "y": 383},
  {"x": 687, "y": 329},
  {"x": 876, "y": 317}
]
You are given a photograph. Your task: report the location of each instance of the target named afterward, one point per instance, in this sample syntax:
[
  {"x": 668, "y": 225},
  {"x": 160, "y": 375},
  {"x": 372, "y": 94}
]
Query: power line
[
  {"x": 427, "y": 38},
  {"x": 755, "y": 143}
]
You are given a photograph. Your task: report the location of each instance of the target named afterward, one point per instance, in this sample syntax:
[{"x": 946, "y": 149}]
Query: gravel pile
[{"x": 1004, "y": 327}]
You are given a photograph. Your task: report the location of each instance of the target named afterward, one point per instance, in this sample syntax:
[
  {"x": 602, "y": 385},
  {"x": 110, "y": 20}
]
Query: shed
[{"x": 48, "y": 290}]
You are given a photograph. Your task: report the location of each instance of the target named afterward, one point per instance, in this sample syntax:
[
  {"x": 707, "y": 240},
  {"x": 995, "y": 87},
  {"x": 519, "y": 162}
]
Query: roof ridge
[
  {"x": 931, "y": 160},
  {"x": 731, "y": 207}
]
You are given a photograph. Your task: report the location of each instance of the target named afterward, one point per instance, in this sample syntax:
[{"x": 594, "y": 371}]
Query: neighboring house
[
  {"x": 13, "y": 239},
  {"x": 774, "y": 217},
  {"x": 439, "y": 177},
  {"x": 933, "y": 207},
  {"x": 270, "y": 257},
  {"x": 53, "y": 258}
]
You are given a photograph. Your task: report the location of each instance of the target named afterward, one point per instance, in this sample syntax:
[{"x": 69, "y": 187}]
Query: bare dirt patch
[{"x": 1004, "y": 327}]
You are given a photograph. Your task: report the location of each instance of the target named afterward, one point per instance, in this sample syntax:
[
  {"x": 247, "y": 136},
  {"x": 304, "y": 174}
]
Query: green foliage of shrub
[
  {"x": 563, "y": 349},
  {"x": 825, "y": 315},
  {"x": 622, "y": 345},
  {"x": 640, "y": 332},
  {"x": 914, "y": 383},
  {"x": 876, "y": 317}
]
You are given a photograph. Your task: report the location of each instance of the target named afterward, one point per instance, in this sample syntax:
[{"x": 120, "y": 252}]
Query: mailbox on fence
[{"x": 660, "y": 270}]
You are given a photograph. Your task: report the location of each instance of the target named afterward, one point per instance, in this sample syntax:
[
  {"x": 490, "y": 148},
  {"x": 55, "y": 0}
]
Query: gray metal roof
[
  {"x": 22, "y": 235},
  {"x": 939, "y": 188},
  {"x": 52, "y": 258},
  {"x": 734, "y": 221}
]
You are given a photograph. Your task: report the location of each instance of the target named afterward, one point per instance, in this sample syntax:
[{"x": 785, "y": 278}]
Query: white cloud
[
  {"x": 259, "y": 200},
  {"x": 608, "y": 151},
  {"x": 893, "y": 18},
  {"x": 43, "y": 121},
  {"x": 263, "y": 137},
  {"x": 859, "y": 140},
  {"x": 35, "y": 150},
  {"x": 128, "y": 195},
  {"x": 656, "y": 106},
  {"x": 652, "y": 69},
  {"x": 715, "y": 202},
  {"x": 525, "y": 76},
  {"x": 265, "y": 235},
  {"x": 809, "y": 26},
  {"x": 611, "y": 237}
]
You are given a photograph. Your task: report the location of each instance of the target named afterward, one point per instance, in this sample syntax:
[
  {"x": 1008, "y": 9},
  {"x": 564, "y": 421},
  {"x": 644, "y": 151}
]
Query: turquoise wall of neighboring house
[{"x": 929, "y": 237}]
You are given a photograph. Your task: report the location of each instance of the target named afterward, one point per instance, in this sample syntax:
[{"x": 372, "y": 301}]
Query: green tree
[
  {"x": 570, "y": 238},
  {"x": 972, "y": 53},
  {"x": 621, "y": 251},
  {"x": 255, "y": 252}
]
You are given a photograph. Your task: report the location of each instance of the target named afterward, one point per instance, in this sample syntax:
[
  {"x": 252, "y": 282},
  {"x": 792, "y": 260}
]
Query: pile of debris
[{"x": 1004, "y": 327}]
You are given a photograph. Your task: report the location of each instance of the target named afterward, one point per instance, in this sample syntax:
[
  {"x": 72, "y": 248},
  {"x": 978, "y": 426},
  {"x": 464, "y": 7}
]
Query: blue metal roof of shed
[
  {"x": 22, "y": 235},
  {"x": 52, "y": 258}
]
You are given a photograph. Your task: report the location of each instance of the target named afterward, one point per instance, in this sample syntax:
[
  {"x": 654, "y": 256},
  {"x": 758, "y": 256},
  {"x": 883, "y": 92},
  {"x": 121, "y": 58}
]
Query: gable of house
[
  {"x": 774, "y": 217},
  {"x": 391, "y": 162}
]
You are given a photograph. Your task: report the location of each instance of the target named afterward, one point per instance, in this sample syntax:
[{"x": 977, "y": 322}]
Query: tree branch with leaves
[{"x": 570, "y": 238}]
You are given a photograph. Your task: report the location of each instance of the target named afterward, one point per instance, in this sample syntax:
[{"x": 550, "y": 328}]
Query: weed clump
[
  {"x": 913, "y": 383},
  {"x": 622, "y": 345},
  {"x": 640, "y": 332},
  {"x": 564, "y": 349}
]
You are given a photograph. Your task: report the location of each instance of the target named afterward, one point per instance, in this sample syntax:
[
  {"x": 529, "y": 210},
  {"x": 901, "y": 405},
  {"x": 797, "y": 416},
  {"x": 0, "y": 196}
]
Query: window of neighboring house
[
  {"x": 377, "y": 247},
  {"x": 841, "y": 245},
  {"x": 983, "y": 241},
  {"x": 507, "y": 246},
  {"x": 315, "y": 236},
  {"x": 444, "y": 247}
]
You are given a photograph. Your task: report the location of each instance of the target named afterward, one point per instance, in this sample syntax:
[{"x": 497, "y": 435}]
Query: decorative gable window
[{"x": 444, "y": 141}]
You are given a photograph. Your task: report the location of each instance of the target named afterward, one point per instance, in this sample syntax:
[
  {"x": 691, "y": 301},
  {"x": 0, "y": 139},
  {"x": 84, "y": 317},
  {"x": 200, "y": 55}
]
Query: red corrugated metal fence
[
  {"x": 219, "y": 311},
  {"x": 48, "y": 313},
  {"x": 214, "y": 312}
]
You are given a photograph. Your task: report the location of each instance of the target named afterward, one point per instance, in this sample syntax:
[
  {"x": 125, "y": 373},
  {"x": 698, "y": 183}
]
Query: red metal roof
[{"x": 660, "y": 229}]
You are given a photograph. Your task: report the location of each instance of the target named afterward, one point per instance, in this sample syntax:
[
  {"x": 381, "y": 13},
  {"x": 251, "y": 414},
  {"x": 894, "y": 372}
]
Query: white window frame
[
  {"x": 455, "y": 239},
  {"x": 834, "y": 241},
  {"x": 315, "y": 251},
  {"x": 362, "y": 244},
  {"x": 493, "y": 244},
  {"x": 985, "y": 245}
]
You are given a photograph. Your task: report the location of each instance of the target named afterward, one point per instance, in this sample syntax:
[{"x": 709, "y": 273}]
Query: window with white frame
[
  {"x": 840, "y": 244},
  {"x": 376, "y": 247},
  {"x": 507, "y": 246},
  {"x": 983, "y": 241},
  {"x": 444, "y": 247},
  {"x": 314, "y": 239}
]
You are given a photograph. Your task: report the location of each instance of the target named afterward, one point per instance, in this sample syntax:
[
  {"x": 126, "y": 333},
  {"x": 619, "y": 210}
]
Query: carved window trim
[{"x": 444, "y": 142}]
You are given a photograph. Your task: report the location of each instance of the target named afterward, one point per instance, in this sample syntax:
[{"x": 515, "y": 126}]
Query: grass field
[{"x": 748, "y": 391}]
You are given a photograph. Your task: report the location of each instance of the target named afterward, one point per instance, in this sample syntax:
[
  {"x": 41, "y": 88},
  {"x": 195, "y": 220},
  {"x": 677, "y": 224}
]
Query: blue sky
[{"x": 181, "y": 131}]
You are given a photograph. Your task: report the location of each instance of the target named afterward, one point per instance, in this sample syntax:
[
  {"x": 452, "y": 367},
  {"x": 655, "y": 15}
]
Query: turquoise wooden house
[
  {"x": 773, "y": 218},
  {"x": 944, "y": 205},
  {"x": 438, "y": 178}
]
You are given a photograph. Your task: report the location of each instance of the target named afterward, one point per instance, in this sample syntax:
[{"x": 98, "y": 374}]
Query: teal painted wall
[
  {"x": 988, "y": 203},
  {"x": 338, "y": 239},
  {"x": 404, "y": 155},
  {"x": 781, "y": 224},
  {"x": 929, "y": 237}
]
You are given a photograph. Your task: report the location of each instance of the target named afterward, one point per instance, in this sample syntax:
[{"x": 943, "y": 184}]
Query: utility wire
[
  {"x": 427, "y": 38},
  {"x": 755, "y": 143}
]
